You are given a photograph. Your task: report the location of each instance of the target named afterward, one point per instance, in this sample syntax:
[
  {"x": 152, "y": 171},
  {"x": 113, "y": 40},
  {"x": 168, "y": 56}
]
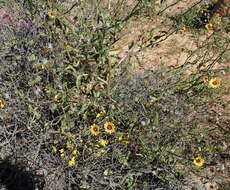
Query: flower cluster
[
  {"x": 104, "y": 142},
  {"x": 213, "y": 83},
  {"x": 67, "y": 152},
  {"x": 124, "y": 139},
  {"x": 109, "y": 127},
  {"x": 101, "y": 113}
]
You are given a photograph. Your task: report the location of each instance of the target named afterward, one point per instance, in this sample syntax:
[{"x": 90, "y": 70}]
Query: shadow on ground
[{"x": 14, "y": 177}]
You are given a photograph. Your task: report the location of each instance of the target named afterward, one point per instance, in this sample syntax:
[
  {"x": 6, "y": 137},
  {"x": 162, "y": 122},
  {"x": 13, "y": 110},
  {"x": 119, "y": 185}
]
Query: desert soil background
[{"x": 172, "y": 51}]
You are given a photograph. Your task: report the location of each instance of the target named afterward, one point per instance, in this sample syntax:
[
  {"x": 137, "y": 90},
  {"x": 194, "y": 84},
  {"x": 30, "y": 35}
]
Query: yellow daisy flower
[
  {"x": 104, "y": 142},
  {"x": 101, "y": 113},
  {"x": 58, "y": 98},
  {"x": 54, "y": 148},
  {"x": 2, "y": 103},
  {"x": 198, "y": 161},
  {"x": 123, "y": 139},
  {"x": 120, "y": 136},
  {"x": 52, "y": 14},
  {"x": 72, "y": 161},
  {"x": 61, "y": 150},
  {"x": 182, "y": 30},
  {"x": 209, "y": 26},
  {"x": 74, "y": 152},
  {"x": 47, "y": 89},
  {"x": 215, "y": 82},
  {"x": 109, "y": 127},
  {"x": 68, "y": 146},
  {"x": 99, "y": 152},
  {"x": 205, "y": 79},
  {"x": 94, "y": 129},
  {"x": 125, "y": 142}
]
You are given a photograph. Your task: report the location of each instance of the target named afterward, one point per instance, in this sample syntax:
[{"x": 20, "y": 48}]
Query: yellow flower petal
[
  {"x": 182, "y": 30},
  {"x": 209, "y": 26},
  {"x": 71, "y": 162},
  {"x": 198, "y": 161},
  {"x": 2, "y": 103},
  {"x": 47, "y": 89},
  {"x": 58, "y": 98},
  {"x": 205, "y": 79},
  {"x": 94, "y": 129},
  {"x": 120, "y": 136},
  {"x": 101, "y": 151},
  {"x": 215, "y": 82},
  {"x": 74, "y": 152},
  {"x": 61, "y": 150},
  {"x": 109, "y": 127},
  {"x": 54, "y": 148},
  {"x": 104, "y": 142},
  {"x": 52, "y": 14},
  {"x": 68, "y": 146},
  {"x": 125, "y": 142}
]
